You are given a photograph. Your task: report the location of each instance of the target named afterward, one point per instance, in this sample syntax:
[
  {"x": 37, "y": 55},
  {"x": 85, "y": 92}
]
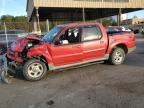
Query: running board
[
  {"x": 78, "y": 66},
  {"x": 52, "y": 67}
]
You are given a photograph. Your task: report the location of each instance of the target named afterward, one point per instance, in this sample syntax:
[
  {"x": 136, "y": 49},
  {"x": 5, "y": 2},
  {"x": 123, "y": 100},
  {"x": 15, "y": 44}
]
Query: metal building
[{"x": 79, "y": 9}]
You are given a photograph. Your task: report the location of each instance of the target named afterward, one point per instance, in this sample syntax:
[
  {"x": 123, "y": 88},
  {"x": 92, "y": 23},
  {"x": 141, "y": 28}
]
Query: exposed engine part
[{"x": 31, "y": 44}]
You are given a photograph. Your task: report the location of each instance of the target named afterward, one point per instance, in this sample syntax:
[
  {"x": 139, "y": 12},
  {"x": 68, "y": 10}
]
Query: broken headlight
[{"x": 30, "y": 45}]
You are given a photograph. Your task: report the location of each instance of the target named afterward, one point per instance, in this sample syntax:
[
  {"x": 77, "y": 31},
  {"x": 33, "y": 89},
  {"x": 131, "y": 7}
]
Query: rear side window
[{"x": 91, "y": 33}]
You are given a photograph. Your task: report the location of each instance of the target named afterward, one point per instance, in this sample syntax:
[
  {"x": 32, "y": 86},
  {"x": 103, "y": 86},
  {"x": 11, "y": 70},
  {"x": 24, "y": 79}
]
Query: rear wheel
[
  {"x": 34, "y": 70},
  {"x": 117, "y": 57}
]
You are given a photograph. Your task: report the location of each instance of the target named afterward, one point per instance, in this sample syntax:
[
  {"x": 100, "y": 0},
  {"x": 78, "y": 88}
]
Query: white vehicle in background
[
  {"x": 118, "y": 29},
  {"x": 125, "y": 29}
]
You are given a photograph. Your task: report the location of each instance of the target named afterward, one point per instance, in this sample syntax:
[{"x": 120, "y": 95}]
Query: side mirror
[
  {"x": 65, "y": 42},
  {"x": 57, "y": 42}
]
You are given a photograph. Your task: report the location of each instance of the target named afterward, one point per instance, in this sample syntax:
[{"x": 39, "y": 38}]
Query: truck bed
[{"x": 110, "y": 33}]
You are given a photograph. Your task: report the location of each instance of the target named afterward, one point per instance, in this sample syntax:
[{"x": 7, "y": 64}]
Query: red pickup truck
[{"x": 69, "y": 45}]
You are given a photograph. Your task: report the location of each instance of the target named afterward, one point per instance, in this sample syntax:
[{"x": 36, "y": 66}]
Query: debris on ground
[{"x": 4, "y": 76}]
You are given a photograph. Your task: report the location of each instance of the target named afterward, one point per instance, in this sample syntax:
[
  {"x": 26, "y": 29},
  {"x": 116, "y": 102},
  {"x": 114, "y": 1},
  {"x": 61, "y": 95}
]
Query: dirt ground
[{"x": 95, "y": 86}]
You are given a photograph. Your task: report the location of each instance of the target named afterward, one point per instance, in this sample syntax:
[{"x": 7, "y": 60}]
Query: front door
[{"x": 67, "y": 48}]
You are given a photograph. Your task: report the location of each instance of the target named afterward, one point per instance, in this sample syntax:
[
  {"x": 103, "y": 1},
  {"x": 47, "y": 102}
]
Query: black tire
[
  {"x": 114, "y": 59},
  {"x": 29, "y": 71}
]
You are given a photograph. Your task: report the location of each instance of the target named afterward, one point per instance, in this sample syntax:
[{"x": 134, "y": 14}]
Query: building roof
[{"x": 65, "y": 5}]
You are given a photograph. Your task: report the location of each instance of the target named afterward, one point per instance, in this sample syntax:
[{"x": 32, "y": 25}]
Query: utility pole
[
  {"x": 38, "y": 22},
  {"x": 83, "y": 12},
  {"x": 47, "y": 25},
  {"x": 119, "y": 17}
]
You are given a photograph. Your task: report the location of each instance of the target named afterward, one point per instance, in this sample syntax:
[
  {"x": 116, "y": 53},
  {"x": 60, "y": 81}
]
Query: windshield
[{"x": 51, "y": 34}]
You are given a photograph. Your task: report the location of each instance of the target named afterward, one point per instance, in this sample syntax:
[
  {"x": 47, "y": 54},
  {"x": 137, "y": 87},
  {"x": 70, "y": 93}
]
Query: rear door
[{"x": 94, "y": 43}]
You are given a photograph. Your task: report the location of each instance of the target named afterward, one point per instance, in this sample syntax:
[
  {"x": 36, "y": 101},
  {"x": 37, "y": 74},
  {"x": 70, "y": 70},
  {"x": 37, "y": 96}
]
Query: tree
[
  {"x": 113, "y": 22},
  {"x": 20, "y": 19},
  {"x": 7, "y": 18},
  {"x": 18, "y": 22},
  {"x": 135, "y": 16},
  {"x": 108, "y": 22}
]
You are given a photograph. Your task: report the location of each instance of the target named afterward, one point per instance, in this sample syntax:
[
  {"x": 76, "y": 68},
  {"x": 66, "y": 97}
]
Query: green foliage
[
  {"x": 18, "y": 22},
  {"x": 7, "y": 18},
  {"x": 108, "y": 22},
  {"x": 20, "y": 19},
  {"x": 1, "y": 27},
  {"x": 135, "y": 16}
]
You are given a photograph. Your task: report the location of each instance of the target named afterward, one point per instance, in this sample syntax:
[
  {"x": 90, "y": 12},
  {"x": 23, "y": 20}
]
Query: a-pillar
[{"x": 38, "y": 21}]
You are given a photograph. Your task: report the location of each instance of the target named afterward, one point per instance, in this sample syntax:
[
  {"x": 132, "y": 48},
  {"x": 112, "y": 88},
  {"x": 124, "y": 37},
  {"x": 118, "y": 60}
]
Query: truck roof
[{"x": 77, "y": 24}]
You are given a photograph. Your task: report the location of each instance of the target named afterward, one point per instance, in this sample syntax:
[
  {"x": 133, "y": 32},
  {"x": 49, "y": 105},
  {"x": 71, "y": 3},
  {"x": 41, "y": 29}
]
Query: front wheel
[
  {"x": 34, "y": 70},
  {"x": 117, "y": 56}
]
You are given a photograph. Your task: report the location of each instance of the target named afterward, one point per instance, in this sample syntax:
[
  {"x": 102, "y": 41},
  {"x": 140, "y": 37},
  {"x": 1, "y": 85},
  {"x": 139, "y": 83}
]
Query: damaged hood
[
  {"x": 32, "y": 37},
  {"x": 20, "y": 44}
]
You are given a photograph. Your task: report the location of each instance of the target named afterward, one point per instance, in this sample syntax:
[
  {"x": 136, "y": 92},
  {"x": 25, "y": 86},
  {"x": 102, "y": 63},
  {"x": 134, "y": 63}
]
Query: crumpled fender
[
  {"x": 32, "y": 37},
  {"x": 20, "y": 44},
  {"x": 40, "y": 50}
]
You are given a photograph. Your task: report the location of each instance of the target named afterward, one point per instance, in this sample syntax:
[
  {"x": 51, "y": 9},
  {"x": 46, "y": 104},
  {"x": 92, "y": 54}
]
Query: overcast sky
[{"x": 18, "y": 8}]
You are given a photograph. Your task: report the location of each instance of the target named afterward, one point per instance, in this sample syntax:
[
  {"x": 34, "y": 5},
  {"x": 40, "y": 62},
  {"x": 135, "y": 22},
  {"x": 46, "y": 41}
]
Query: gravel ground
[{"x": 95, "y": 86}]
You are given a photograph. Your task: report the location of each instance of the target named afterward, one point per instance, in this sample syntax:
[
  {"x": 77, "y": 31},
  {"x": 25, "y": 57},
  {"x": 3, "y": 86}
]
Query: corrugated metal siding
[
  {"x": 82, "y": 3},
  {"x": 89, "y": 4}
]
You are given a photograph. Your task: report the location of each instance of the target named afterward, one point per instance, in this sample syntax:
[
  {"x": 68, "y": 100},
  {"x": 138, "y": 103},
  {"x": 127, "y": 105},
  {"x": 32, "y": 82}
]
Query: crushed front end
[{"x": 17, "y": 53}]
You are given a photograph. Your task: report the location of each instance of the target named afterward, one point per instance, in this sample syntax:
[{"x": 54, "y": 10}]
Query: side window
[
  {"x": 91, "y": 33},
  {"x": 70, "y": 36}
]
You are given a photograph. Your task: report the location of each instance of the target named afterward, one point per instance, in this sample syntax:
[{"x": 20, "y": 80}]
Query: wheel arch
[
  {"x": 123, "y": 48},
  {"x": 43, "y": 59},
  {"x": 121, "y": 45}
]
